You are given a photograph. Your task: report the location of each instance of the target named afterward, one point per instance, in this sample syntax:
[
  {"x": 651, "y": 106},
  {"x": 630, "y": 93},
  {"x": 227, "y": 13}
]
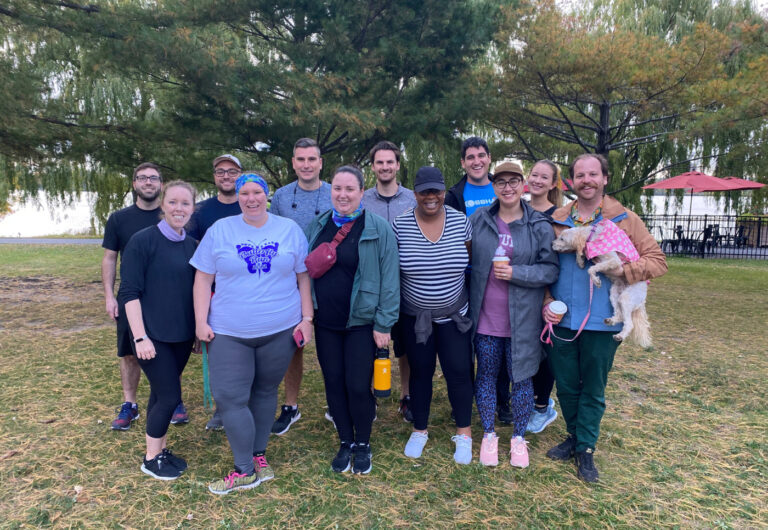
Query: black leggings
[
  {"x": 346, "y": 359},
  {"x": 543, "y": 382},
  {"x": 455, "y": 352},
  {"x": 163, "y": 373}
]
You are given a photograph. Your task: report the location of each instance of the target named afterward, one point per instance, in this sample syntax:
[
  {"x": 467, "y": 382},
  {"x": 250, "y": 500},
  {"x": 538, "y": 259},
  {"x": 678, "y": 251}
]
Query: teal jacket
[{"x": 375, "y": 297}]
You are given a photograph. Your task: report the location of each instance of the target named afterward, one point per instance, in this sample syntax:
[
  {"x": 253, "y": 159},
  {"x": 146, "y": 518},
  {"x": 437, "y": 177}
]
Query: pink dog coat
[{"x": 611, "y": 239}]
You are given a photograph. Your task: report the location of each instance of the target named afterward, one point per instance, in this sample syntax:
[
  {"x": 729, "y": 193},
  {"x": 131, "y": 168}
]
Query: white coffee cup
[{"x": 558, "y": 308}]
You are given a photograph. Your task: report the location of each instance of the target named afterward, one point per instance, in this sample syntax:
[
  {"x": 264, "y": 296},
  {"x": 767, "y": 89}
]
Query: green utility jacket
[{"x": 375, "y": 297}]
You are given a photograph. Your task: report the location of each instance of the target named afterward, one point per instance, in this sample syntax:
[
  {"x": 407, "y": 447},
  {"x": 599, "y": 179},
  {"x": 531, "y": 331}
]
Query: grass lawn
[{"x": 684, "y": 441}]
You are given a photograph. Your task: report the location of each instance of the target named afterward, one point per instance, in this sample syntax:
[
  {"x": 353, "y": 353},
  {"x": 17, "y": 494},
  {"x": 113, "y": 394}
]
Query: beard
[{"x": 148, "y": 196}]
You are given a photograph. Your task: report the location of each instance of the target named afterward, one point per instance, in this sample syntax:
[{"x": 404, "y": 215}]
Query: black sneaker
[
  {"x": 288, "y": 416},
  {"x": 342, "y": 461},
  {"x": 564, "y": 450},
  {"x": 585, "y": 466},
  {"x": 405, "y": 409},
  {"x": 160, "y": 468},
  {"x": 504, "y": 411},
  {"x": 362, "y": 459},
  {"x": 178, "y": 462}
]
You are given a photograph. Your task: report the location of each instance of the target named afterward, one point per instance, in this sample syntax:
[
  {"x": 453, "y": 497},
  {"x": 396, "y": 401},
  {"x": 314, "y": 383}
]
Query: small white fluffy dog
[{"x": 628, "y": 300}]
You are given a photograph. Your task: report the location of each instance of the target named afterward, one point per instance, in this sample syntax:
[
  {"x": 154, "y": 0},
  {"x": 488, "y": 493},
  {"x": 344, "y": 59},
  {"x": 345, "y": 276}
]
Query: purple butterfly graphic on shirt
[{"x": 258, "y": 257}]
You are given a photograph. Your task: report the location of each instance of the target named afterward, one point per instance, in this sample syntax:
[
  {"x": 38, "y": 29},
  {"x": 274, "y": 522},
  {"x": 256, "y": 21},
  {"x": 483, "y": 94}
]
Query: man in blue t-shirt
[
  {"x": 226, "y": 169},
  {"x": 474, "y": 190}
]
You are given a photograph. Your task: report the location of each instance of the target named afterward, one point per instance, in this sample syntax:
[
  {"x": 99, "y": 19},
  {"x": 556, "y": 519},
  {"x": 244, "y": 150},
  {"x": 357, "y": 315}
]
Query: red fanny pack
[{"x": 320, "y": 260}]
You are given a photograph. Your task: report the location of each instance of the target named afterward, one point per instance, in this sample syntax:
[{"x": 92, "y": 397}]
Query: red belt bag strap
[{"x": 320, "y": 260}]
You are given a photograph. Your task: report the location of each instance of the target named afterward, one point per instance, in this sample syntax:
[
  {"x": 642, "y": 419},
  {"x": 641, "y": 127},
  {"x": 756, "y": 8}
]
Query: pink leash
[{"x": 548, "y": 331}]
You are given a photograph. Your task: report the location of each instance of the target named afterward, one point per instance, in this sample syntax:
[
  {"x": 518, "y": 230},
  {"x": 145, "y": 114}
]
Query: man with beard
[
  {"x": 388, "y": 199},
  {"x": 226, "y": 169},
  {"x": 301, "y": 200},
  {"x": 583, "y": 347},
  {"x": 121, "y": 225}
]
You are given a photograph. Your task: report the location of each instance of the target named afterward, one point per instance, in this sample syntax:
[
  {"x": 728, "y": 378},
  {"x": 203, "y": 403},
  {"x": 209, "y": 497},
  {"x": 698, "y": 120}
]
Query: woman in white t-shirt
[{"x": 261, "y": 310}]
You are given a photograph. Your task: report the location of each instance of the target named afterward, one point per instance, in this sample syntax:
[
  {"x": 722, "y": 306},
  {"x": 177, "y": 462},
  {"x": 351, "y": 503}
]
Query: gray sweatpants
[{"x": 245, "y": 375}]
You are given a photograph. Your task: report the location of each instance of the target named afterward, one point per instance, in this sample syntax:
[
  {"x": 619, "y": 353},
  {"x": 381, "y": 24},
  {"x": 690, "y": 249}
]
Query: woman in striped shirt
[{"x": 434, "y": 245}]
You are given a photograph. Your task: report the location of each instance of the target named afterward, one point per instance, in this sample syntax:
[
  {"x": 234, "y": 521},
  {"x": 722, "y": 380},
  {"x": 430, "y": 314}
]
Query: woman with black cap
[{"x": 434, "y": 245}]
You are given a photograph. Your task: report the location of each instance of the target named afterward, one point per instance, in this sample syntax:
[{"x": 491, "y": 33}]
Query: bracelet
[
  {"x": 308, "y": 319},
  {"x": 136, "y": 341}
]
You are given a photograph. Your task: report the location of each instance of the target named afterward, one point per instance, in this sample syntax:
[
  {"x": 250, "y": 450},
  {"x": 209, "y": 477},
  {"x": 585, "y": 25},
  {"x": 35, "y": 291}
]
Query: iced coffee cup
[{"x": 500, "y": 261}]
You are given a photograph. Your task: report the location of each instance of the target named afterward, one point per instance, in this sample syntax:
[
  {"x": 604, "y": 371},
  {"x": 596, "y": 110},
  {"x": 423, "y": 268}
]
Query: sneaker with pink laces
[
  {"x": 489, "y": 450},
  {"x": 518, "y": 453}
]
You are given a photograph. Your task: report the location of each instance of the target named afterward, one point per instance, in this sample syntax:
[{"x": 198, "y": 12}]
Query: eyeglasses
[
  {"x": 144, "y": 178},
  {"x": 512, "y": 183},
  {"x": 231, "y": 172}
]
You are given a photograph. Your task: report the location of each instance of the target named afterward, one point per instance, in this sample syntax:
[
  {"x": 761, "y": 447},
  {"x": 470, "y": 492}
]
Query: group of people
[{"x": 464, "y": 275}]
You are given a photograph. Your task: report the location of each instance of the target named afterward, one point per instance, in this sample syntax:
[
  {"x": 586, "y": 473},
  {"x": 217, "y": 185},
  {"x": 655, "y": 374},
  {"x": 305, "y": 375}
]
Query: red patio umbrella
[
  {"x": 743, "y": 184},
  {"x": 697, "y": 182}
]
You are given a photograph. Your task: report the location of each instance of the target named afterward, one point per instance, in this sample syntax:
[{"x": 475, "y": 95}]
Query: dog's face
[{"x": 572, "y": 239}]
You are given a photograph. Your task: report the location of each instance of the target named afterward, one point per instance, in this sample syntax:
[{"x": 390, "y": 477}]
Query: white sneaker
[
  {"x": 463, "y": 453},
  {"x": 416, "y": 444}
]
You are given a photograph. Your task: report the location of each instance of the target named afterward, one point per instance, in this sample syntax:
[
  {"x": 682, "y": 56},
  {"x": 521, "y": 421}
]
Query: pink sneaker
[
  {"x": 489, "y": 450},
  {"x": 518, "y": 454}
]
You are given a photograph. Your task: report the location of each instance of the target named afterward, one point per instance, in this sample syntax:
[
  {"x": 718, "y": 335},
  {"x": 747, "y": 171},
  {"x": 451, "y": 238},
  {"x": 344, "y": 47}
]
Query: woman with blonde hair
[{"x": 546, "y": 188}]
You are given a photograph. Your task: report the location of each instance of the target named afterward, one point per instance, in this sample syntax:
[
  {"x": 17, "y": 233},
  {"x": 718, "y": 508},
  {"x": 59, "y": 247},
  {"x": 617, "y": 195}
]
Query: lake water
[{"x": 38, "y": 218}]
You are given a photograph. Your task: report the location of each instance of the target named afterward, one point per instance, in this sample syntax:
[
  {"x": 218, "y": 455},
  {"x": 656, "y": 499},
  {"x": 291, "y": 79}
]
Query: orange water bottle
[{"x": 382, "y": 373}]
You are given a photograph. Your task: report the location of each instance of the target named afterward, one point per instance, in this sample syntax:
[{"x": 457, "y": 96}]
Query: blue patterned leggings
[{"x": 489, "y": 351}]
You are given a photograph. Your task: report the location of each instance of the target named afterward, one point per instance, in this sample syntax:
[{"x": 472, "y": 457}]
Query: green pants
[{"x": 581, "y": 372}]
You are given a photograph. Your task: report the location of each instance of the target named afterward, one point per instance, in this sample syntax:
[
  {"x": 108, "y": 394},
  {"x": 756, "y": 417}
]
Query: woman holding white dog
[
  {"x": 583, "y": 347},
  {"x": 512, "y": 264}
]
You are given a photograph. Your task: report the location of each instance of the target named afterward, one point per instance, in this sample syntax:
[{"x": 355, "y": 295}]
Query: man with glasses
[
  {"x": 121, "y": 225},
  {"x": 301, "y": 200},
  {"x": 226, "y": 169}
]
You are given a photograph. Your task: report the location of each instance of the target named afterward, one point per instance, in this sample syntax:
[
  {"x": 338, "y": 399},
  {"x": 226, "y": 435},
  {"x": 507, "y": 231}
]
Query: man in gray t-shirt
[
  {"x": 301, "y": 201},
  {"x": 388, "y": 199}
]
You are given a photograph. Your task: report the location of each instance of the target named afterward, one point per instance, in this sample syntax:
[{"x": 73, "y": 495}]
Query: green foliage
[
  {"x": 180, "y": 82},
  {"x": 657, "y": 86}
]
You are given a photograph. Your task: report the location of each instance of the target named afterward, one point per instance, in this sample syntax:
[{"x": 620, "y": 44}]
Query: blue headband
[{"x": 251, "y": 177}]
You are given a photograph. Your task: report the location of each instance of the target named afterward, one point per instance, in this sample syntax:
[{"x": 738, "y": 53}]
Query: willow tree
[
  {"x": 179, "y": 82},
  {"x": 630, "y": 80}
]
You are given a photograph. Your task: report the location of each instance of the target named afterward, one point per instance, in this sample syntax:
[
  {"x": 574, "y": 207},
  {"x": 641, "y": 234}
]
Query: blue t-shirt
[
  {"x": 255, "y": 269},
  {"x": 477, "y": 196}
]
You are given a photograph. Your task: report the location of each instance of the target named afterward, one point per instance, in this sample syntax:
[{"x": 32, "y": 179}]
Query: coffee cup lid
[{"x": 558, "y": 307}]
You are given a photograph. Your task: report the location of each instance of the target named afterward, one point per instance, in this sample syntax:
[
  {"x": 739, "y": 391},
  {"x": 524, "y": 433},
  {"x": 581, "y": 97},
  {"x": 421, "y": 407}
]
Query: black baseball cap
[{"x": 428, "y": 178}]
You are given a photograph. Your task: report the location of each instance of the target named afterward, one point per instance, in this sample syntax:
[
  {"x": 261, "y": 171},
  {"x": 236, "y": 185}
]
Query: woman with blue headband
[
  {"x": 357, "y": 303},
  {"x": 261, "y": 310}
]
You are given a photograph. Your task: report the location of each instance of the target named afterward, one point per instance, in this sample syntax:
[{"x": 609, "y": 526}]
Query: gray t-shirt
[
  {"x": 389, "y": 207},
  {"x": 302, "y": 206}
]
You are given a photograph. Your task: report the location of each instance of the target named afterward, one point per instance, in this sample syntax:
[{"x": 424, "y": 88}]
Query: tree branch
[{"x": 557, "y": 105}]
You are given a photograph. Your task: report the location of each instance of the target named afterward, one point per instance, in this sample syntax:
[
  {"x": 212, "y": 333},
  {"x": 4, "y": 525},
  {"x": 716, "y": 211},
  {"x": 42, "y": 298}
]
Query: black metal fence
[{"x": 711, "y": 236}]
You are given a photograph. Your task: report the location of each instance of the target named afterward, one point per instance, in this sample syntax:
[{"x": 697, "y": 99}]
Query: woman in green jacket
[{"x": 356, "y": 304}]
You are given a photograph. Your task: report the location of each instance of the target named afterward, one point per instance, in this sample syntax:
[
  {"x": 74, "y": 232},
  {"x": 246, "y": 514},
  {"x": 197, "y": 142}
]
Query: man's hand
[{"x": 112, "y": 308}]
